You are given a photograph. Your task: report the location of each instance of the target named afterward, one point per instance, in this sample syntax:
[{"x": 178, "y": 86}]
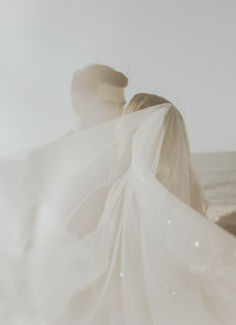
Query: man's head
[{"x": 97, "y": 94}]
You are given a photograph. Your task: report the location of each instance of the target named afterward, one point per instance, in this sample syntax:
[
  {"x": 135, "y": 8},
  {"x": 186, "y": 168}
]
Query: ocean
[{"x": 217, "y": 173}]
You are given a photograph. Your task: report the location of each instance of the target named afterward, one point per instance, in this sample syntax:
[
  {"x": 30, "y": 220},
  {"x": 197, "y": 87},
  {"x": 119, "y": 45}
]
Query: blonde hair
[
  {"x": 174, "y": 168},
  {"x": 143, "y": 100}
]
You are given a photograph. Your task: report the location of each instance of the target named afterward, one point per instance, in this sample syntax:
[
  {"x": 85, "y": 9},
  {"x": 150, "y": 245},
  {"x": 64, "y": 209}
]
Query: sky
[{"x": 183, "y": 50}]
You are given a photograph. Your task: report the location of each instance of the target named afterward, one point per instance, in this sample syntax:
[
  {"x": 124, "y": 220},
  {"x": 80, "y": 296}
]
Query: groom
[{"x": 97, "y": 95}]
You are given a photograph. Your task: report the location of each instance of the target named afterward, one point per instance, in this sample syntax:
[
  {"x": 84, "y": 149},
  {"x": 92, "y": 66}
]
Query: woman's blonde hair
[
  {"x": 174, "y": 168},
  {"x": 144, "y": 100}
]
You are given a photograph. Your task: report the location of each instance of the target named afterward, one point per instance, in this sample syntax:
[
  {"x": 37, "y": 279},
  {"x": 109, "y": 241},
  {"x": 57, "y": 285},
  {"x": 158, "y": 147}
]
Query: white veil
[{"x": 98, "y": 239}]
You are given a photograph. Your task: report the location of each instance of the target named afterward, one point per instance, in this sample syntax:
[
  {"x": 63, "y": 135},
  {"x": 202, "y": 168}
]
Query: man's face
[
  {"x": 110, "y": 97},
  {"x": 108, "y": 101},
  {"x": 105, "y": 104}
]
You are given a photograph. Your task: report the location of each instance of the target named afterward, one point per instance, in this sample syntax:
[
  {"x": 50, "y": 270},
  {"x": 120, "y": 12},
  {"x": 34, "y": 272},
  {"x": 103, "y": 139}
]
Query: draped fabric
[{"x": 97, "y": 230}]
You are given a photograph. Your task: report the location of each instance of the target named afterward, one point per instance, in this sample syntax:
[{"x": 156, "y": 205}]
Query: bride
[{"x": 106, "y": 226}]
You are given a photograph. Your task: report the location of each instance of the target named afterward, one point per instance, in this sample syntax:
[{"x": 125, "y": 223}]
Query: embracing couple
[
  {"x": 98, "y": 96},
  {"x": 106, "y": 226}
]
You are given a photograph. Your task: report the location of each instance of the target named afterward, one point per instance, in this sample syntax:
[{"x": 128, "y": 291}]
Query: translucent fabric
[{"x": 97, "y": 230}]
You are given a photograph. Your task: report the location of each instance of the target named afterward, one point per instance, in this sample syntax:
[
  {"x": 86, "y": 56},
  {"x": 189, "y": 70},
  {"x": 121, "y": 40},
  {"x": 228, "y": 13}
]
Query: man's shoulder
[{"x": 60, "y": 140}]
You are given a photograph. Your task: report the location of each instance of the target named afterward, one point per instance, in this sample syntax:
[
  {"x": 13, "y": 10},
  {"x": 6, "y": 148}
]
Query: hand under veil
[{"x": 107, "y": 237}]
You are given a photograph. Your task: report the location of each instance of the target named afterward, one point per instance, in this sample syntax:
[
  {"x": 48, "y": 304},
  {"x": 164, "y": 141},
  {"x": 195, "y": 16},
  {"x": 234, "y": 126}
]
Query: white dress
[{"x": 89, "y": 236}]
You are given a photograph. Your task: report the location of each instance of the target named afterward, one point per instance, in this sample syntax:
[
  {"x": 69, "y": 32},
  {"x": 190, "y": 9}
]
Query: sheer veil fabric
[{"x": 93, "y": 231}]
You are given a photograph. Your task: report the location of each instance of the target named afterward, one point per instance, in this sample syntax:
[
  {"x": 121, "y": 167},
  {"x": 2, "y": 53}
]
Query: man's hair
[{"x": 85, "y": 81}]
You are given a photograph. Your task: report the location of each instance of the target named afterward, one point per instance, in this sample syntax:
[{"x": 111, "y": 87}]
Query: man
[{"x": 97, "y": 95}]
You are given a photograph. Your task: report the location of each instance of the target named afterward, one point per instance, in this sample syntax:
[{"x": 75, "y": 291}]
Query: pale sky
[{"x": 183, "y": 50}]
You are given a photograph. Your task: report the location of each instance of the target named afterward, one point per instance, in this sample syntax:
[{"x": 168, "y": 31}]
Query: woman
[
  {"x": 114, "y": 241},
  {"x": 174, "y": 168}
]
